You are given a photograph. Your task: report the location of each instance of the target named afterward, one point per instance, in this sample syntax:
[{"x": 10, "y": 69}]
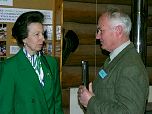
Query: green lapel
[{"x": 48, "y": 75}]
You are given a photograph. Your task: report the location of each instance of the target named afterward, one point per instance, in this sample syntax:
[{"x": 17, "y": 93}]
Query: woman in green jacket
[{"x": 30, "y": 82}]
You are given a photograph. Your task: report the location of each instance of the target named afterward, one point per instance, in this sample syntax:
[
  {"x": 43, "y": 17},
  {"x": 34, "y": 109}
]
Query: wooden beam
[
  {"x": 88, "y": 50},
  {"x": 72, "y": 75},
  {"x": 91, "y": 53},
  {"x": 66, "y": 100},
  {"x": 65, "y": 97},
  {"x": 149, "y": 36},
  {"x": 75, "y": 60},
  {"x": 149, "y": 70},
  {"x": 149, "y": 56},
  {"x": 122, "y": 2},
  {"x": 78, "y": 12},
  {"x": 89, "y": 13},
  {"x": 86, "y": 12},
  {"x": 80, "y": 28},
  {"x": 125, "y": 2},
  {"x": 86, "y": 32}
]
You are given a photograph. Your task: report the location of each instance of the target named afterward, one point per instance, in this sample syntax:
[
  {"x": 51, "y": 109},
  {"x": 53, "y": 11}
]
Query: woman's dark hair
[{"x": 20, "y": 28}]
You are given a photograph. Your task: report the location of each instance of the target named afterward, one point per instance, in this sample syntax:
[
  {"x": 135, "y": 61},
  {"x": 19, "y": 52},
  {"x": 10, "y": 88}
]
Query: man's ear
[{"x": 119, "y": 30}]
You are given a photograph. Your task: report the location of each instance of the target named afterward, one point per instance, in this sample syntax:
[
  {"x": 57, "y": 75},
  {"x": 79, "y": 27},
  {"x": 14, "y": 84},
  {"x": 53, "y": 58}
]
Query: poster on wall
[
  {"x": 58, "y": 32},
  {"x": 14, "y": 49},
  {"x": 3, "y": 31},
  {"x": 6, "y": 2},
  {"x": 49, "y": 31},
  {"x": 2, "y": 48},
  {"x": 11, "y": 14}
]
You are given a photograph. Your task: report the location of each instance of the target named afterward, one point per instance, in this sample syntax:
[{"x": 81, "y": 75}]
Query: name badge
[{"x": 102, "y": 73}]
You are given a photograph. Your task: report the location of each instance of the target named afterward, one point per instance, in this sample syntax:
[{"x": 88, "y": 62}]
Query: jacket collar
[{"x": 118, "y": 57}]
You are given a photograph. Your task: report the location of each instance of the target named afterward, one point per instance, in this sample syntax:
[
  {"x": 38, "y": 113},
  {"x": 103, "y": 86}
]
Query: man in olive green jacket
[
  {"x": 125, "y": 88},
  {"x": 122, "y": 85}
]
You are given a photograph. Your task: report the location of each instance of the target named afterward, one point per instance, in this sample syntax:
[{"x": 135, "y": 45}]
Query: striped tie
[
  {"x": 38, "y": 68},
  {"x": 37, "y": 64}
]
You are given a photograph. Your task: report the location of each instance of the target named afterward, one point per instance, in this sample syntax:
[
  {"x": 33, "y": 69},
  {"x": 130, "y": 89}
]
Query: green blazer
[
  {"x": 1, "y": 67},
  {"x": 21, "y": 92},
  {"x": 124, "y": 90}
]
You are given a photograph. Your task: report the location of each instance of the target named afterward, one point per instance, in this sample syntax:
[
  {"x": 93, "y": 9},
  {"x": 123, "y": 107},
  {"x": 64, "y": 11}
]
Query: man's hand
[{"x": 84, "y": 94}]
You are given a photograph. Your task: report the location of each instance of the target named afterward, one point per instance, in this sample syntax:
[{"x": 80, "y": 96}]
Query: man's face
[{"x": 105, "y": 33}]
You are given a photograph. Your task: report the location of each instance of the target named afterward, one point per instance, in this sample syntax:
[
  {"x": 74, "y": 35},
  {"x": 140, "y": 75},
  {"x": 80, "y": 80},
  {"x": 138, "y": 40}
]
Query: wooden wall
[{"x": 81, "y": 16}]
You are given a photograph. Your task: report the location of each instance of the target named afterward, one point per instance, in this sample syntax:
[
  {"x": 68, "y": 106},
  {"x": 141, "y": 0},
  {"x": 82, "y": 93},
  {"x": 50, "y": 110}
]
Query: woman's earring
[{"x": 24, "y": 42}]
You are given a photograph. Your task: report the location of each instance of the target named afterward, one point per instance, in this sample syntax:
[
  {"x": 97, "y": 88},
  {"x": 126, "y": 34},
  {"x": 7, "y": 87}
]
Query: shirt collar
[
  {"x": 30, "y": 56},
  {"x": 114, "y": 53}
]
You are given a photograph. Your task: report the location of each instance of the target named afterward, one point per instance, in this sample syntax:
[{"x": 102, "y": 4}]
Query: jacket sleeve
[
  {"x": 6, "y": 90},
  {"x": 131, "y": 92}
]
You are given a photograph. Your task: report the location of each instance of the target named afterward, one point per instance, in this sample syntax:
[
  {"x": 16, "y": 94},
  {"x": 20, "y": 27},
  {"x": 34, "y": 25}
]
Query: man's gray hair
[{"x": 117, "y": 17}]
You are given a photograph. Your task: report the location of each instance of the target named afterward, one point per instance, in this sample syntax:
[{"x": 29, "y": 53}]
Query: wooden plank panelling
[
  {"x": 149, "y": 69},
  {"x": 75, "y": 60},
  {"x": 149, "y": 20},
  {"x": 86, "y": 12},
  {"x": 149, "y": 56},
  {"x": 66, "y": 100},
  {"x": 65, "y": 97},
  {"x": 91, "y": 53},
  {"x": 89, "y": 13},
  {"x": 81, "y": 28},
  {"x": 86, "y": 32},
  {"x": 79, "y": 12},
  {"x": 72, "y": 75},
  {"x": 125, "y": 2},
  {"x": 88, "y": 50},
  {"x": 116, "y": 2},
  {"x": 149, "y": 36},
  {"x": 29, "y": 4}
]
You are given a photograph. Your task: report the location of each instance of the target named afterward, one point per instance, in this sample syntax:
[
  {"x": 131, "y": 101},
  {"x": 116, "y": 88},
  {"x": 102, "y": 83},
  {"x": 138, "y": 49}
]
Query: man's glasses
[{"x": 99, "y": 31}]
